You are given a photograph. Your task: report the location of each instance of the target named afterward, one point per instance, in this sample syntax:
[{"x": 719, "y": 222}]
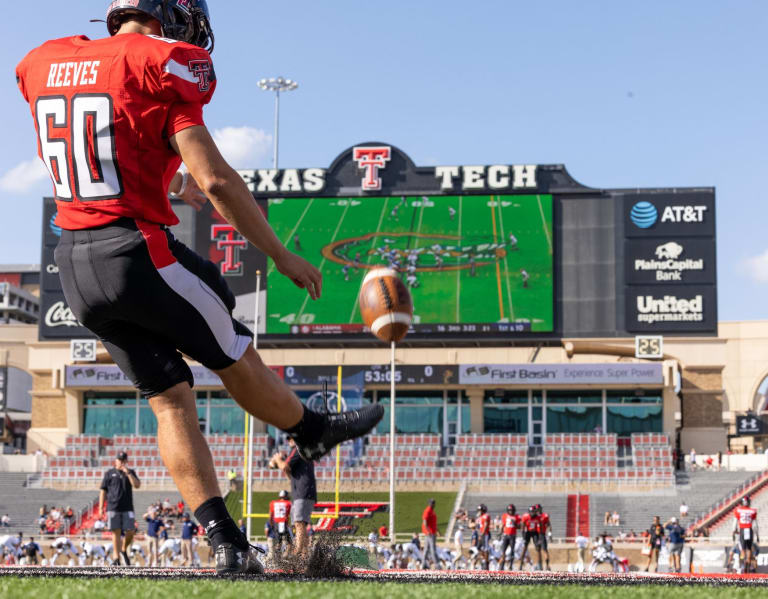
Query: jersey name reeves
[{"x": 72, "y": 74}]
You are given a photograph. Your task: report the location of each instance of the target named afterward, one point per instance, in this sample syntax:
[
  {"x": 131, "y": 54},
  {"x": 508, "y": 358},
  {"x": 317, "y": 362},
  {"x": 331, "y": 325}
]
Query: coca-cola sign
[
  {"x": 57, "y": 321},
  {"x": 60, "y": 315}
]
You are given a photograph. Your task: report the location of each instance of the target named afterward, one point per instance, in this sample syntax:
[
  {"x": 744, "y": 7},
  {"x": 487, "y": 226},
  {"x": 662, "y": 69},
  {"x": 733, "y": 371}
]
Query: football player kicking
[{"x": 115, "y": 118}]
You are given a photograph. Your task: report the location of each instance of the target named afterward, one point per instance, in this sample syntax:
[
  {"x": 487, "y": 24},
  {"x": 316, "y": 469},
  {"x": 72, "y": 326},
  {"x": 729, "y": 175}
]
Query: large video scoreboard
[{"x": 489, "y": 253}]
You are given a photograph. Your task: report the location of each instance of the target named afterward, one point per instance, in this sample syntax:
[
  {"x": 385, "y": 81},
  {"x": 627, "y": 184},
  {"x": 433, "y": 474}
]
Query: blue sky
[{"x": 625, "y": 94}]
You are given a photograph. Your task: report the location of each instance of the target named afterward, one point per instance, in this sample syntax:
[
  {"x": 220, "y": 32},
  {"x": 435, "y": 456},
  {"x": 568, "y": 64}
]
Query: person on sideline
[{"x": 116, "y": 495}]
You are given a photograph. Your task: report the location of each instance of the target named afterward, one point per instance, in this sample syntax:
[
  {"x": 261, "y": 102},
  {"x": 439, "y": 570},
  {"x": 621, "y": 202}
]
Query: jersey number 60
[{"x": 90, "y": 149}]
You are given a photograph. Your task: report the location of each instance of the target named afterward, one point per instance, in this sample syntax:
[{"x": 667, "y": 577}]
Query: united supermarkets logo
[
  {"x": 669, "y": 309},
  {"x": 644, "y": 214}
]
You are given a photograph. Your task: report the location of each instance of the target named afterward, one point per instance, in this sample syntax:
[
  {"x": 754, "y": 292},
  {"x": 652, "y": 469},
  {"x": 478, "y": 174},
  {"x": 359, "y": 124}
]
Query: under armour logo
[{"x": 371, "y": 159}]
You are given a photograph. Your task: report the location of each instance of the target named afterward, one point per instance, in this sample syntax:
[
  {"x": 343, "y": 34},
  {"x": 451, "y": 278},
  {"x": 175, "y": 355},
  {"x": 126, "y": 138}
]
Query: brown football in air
[{"x": 386, "y": 304}]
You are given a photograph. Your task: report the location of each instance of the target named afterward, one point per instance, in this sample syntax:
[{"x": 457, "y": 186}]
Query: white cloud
[
  {"x": 757, "y": 267},
  {"x": 244, "y": 147},
  {"x": 25, "y": 176}
]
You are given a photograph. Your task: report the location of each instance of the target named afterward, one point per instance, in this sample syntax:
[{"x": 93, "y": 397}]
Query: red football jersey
[
  {"x": 279, "y": 510},
  {"x": 745, "y": 516},
  {"x": 484, "y": 524},
  {"x": 509, "y": 523},
  {"x": 543, "y": 522},
  {"x": 104, "y": 111},
  {"x": 530, "y": 523}
]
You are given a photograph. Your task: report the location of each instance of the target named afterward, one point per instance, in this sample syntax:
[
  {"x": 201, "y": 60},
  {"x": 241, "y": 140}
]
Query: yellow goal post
[{"x": 248, "y": 469}]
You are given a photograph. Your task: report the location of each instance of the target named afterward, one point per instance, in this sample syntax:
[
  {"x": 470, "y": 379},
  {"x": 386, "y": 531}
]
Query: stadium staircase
[
  {"x": 698, "y": 490},
  {"x": 718, "y": 517}
]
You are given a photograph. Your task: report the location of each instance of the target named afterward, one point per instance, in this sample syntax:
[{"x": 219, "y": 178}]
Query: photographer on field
[{"x": 303, "y": 492}]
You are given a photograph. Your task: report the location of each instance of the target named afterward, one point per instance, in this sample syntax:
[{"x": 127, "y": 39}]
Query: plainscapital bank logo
[{"x": 644, "y": 215}]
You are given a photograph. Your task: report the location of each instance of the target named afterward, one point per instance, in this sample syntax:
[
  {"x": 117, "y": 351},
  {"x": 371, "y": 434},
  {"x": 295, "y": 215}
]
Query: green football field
[
  {"x": 408, "y": 509},
  {"x": 113, "y": 588},
  {"x": 465, "y": 258}
]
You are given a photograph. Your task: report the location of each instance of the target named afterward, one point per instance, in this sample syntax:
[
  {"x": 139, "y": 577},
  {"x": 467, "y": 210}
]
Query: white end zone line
[
  {"x": 506, "y": 264},
  {"x": 544, "y": 223}
]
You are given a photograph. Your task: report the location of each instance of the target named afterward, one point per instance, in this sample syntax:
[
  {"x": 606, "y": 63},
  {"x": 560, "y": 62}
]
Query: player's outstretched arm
[{"x": 230, "y": 196}]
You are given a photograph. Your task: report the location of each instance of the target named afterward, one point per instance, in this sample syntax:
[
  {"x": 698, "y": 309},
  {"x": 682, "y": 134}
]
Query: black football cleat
[
  {"x": 231, "y": 561},
  {"x": 337, "y": 428}
]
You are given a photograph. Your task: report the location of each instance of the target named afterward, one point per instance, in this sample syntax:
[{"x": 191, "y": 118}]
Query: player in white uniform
[
  {"x": 136, "y": 550},
  {"x": 169, "y": 551},
  {"x": 63, "y": 546},
  {"x": 513, "y": 242},
  {"x": 413, "y": 555},
  {"x": 93, "y": 552},
  {"x": 451, "y": 212},
  {"x": 412, "y": 280},
  {"x": 445, "y": 557},
  {"x": 11, "y": 544}
]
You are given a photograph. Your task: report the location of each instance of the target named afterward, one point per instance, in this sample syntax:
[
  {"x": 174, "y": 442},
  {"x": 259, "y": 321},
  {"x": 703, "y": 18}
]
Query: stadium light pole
[{"x": 277, "y": 85}]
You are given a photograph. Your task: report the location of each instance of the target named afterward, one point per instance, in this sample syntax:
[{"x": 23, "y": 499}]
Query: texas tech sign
[{"x": 375, "y": 168}]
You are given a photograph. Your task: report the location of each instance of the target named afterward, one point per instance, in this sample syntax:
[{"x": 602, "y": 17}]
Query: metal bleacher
[{"x": 567, "y": 459}]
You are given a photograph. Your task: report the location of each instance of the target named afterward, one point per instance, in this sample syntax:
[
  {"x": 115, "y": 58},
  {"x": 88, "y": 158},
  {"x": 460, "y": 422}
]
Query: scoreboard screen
[{"x": 475, "y": 264}]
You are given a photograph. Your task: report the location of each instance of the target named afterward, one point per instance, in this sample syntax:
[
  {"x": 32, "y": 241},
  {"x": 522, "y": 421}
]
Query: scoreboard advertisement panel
[{"x": 473, "y": 264}]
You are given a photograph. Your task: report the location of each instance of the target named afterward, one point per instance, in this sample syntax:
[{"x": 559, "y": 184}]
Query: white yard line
[
  {"x": 322, "y": 262},
  {"x": 544, "y": 223},
  {"x": 368, "y": 259},
  {"x": 458, "y": 270},
  {"x": 291, "y": 234},
  {"x": 506, "y": 264}
]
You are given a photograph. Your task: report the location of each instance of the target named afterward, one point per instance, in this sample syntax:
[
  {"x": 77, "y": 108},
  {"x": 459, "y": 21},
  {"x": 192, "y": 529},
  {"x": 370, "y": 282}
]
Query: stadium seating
[{"x": 570, "y": 459}]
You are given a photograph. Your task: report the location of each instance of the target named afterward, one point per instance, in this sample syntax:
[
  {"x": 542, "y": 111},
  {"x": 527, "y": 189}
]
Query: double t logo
[{"x": 371, "y": 159}]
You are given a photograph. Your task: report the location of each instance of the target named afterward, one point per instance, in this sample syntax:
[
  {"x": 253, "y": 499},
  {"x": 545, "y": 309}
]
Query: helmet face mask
[
  {"x": 511, "y": 509},
  {"x": 183, "y": 20}
]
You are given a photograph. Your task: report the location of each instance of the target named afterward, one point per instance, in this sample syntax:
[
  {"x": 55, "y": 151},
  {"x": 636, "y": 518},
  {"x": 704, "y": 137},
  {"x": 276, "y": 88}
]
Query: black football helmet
[
  {"x": 511, "y": 509},
  {"x": 532, "y": 510},
  {"x": 482, "y": 508},
  {"x": 183, "y": 20},
  {"x": 745, "y": 501}
]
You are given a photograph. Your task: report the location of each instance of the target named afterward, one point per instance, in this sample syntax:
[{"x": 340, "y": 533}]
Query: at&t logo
[{"x": 644, "y": 214}]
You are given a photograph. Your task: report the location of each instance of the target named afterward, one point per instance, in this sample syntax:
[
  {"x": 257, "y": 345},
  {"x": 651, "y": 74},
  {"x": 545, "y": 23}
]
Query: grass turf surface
[
  {"x": 408, "y": 509},
  {"x": 332, "y": 231},
  {"x": 111, "y": 588}
]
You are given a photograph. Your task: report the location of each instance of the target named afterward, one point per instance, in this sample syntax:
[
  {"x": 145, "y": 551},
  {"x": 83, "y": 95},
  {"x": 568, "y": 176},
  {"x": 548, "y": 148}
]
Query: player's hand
[
  {"x": 301, "y": 272},
  {"x": 192, "y": 195}
]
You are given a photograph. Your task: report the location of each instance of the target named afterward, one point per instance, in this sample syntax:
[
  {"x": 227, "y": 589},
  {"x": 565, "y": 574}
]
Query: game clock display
[{"x": 474, "y": 264}]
